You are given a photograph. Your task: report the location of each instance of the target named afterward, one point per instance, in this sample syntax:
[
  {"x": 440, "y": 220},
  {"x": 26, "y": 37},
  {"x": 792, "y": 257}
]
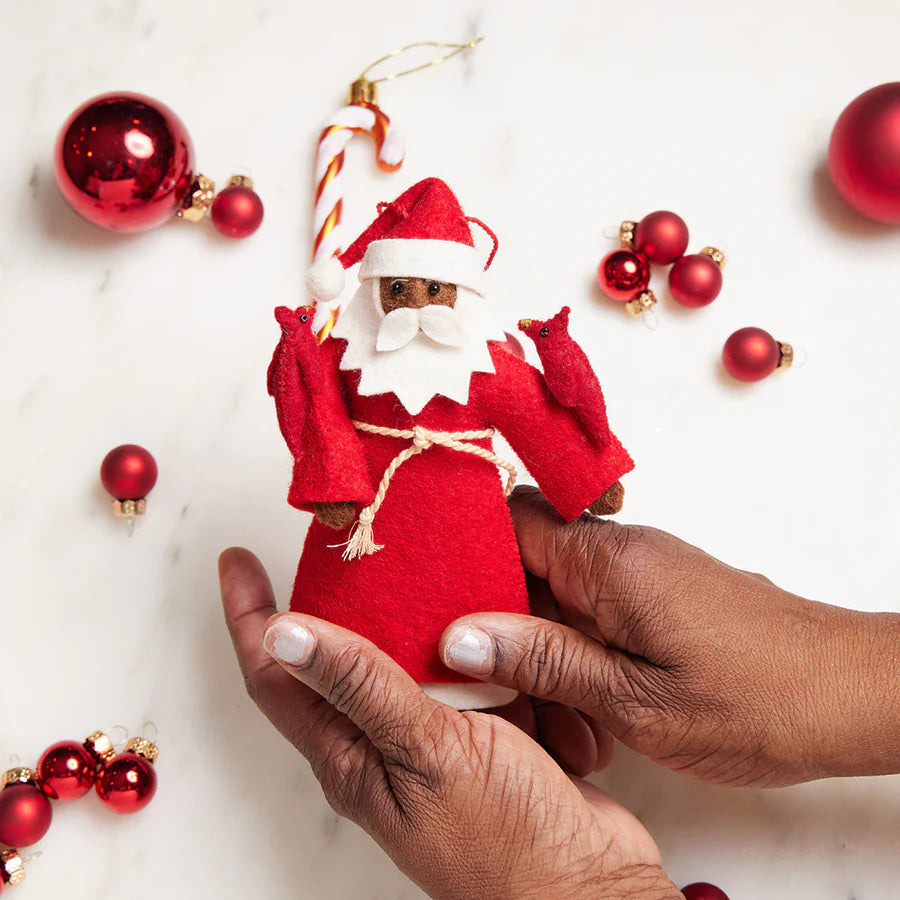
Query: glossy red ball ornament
[
  {"x": 25, "y": 814},
  {"x": 623, "y": 274},
  {"x": 661, "y": 236},
  {"x": 696, "y": 280},
  {"x": 513, "y": 345},
  {"x": 237, "y": 210},
  {"x": 124, "y": 162},
  {"x": 864, "y": 153},
  {"x": 127, "y": 783},
  {"x": 700, "y": 890},
  {"x": 128, "y": 472},
  {"x": 750, "y": 354},
  {"x": 66, "y": 771}
]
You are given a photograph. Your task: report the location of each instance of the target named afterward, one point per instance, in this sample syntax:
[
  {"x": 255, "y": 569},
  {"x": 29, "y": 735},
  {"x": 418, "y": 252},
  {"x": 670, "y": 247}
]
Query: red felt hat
[{"x": 422, "y": 234}]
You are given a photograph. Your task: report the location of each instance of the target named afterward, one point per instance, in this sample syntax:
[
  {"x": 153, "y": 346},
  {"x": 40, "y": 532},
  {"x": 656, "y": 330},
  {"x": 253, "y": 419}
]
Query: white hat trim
[{"x": 448, "y": 261}]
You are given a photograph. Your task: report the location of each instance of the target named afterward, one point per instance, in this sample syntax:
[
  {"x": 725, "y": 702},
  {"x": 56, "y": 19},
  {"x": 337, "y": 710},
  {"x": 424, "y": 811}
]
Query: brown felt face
[{"x": 415, "y": 293}]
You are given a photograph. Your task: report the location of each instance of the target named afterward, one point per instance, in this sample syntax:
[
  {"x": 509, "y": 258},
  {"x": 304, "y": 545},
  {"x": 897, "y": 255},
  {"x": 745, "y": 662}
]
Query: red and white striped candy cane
[{"x": 358, "y": 117}]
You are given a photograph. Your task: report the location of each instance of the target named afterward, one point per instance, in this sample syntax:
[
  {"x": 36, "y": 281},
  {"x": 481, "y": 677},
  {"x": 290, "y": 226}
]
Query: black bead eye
[
  {"x": 433, "y": 288},
  {"x": 544, "y": 331},
  {"x": 304, "y": 317},
  {"x": 397, "y": 287}
]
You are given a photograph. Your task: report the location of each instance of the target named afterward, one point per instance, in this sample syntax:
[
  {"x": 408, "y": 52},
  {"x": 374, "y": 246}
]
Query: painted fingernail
[
  {"x": 291, "y": 643},
  {"x": 470, "y": 650}
]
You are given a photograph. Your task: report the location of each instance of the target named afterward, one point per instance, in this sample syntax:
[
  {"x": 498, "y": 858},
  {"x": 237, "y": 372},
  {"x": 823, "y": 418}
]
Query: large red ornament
[
  {"x": 128, "y": 472},
  {"x": 623, "y": 274},
  {"x": 661, "y": 236},
  {"x": 25, "y": 811},
  {"x": 237, "y": 210},
  {"x": 128, "y": 783},
  {"x": 700, "y": 890},
  {"x": 750, "y": 354},
  {"x": 864, "y": 153},
  {"x": 66, "y": 771},
  {"x": 124, "y": 161},
  {"x": 696, "y": 280}
]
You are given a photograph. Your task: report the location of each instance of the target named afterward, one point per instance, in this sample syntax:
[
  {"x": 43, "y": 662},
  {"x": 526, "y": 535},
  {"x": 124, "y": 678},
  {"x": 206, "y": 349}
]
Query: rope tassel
[{"x": 362, "y": 540}]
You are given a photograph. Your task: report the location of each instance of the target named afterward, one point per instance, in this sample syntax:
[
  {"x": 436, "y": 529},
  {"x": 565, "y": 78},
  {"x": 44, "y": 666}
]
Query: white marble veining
[{"x": 568, "y": 118}]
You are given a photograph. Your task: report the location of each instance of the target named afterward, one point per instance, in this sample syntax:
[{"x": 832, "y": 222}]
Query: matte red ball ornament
[
  {"x": 696, "y": 280},
  {"x": 700, "y": 890},
  {"x": 661, "y": 236},
  {"x": 751, "y": 354},
  {"x": 128, "y": 782},
  {"x": 66, "y": 771},
  {"x": 864, "y": 153},
  {"x": 128, "y": 473},
  {"x": 124, "y": 161},
  {"x": 623, "y": 274},
  {"x": 237, "y": 210},
  {"x": 25, "y": 811}
]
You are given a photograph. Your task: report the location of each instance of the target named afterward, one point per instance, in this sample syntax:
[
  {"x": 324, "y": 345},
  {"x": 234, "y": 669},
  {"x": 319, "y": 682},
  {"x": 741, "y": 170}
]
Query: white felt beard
[{"x": 421, "y": 366}]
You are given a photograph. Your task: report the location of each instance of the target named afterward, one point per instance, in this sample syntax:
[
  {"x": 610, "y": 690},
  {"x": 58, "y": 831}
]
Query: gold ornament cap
[
  {"x": 626, "y": 233},
  {"x": 239, "y": 181},
  {"x": 12, "y": 866},
  {"x": 198, "y": 201},
  {"x": 787, "y": 355},
  {"x": 717, "y": 256},
  {"x": 128, "y": 509},
  {"x": 143, "y": 747},
  {"x": 363, "y": 91},
  {"x": 640, "y": 304},
  {"x": 100, "y": 747},
  {"x": 18, "y": 775}
]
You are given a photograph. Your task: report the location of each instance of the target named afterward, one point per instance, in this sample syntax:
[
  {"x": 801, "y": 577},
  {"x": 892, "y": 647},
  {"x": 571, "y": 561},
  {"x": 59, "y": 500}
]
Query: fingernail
[
  {"x": 291, "y": 643},
  {"x": 470, "y": 650}
]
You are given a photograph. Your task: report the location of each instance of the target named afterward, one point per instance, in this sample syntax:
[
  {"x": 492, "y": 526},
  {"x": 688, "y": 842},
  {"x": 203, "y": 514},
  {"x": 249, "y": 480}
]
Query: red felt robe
[{"x": 449, "y": 544}]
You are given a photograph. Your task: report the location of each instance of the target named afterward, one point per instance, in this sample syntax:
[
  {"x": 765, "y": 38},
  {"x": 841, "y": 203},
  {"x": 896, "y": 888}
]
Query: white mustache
[{"x": 400, "y": 326}]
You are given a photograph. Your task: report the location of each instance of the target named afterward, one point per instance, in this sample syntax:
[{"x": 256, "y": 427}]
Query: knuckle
[{"x": 351, "y": 679}]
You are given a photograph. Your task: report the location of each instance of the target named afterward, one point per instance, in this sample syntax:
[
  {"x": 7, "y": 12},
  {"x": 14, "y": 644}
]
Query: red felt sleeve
[
  {"x": 329, "y": 465},
  {"x": 571, "y": 469}
]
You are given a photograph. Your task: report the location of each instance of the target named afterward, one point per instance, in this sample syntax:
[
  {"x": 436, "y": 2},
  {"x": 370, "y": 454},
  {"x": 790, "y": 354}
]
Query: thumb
[{"x": 543, "y": 659}]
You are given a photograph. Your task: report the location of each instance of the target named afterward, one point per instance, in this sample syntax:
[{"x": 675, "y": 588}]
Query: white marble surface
[{"x": 570, "y": 117}]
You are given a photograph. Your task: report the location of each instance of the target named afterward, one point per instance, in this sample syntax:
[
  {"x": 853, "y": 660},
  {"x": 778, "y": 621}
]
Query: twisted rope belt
[{"x": 361, "y": 541}]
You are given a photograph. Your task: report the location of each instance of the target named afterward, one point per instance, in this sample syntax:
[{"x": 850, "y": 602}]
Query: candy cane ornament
[{"x": 360, "y": 116}]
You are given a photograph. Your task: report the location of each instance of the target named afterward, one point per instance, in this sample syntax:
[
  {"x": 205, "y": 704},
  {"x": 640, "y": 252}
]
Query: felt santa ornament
[{"x": 390, "y": 423}]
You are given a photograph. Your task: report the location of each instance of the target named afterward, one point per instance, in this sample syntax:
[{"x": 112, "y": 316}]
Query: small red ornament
[
  {"x": 128, "y": 783},
  {"x": 128, "y": 473},
  {"x": 696, "y": 280},
  {"x": 700, "y": 890},
  {"x": 661, "y": 236},
  {"x": 513, "y": 345},
  {"x": 25, "y": 811},
  {"x": 124, "y": 162},
  {"x": 864, "y": 153},
  {"x": 623, "y": 274},
  {"x": 237, "y": 210},
  {"x": 750, "y": 354},
  {"x": 66, "y": 771}
]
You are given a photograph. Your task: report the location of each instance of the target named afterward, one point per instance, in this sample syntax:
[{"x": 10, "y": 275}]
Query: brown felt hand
[
  {"x": 609, "y": 502},
  {"x": 336, "y": 515},
  {"x": 464, "y": 802},
  {"x": 709, "y": 670}
]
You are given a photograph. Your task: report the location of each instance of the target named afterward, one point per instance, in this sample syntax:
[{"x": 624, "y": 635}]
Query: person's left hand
[{"x": 465, "y": 803}]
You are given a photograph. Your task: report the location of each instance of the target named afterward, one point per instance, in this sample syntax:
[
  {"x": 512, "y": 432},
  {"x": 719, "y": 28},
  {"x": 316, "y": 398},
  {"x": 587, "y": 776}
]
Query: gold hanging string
[{"x": 456, "y": 48}]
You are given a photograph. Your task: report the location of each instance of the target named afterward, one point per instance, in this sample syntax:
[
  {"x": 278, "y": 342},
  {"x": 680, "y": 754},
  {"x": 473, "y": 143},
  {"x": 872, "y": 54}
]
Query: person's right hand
[{"x": 708, "y": 670}]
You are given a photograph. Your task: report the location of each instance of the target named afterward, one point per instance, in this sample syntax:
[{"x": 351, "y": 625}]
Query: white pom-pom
[{"x": 325, "y": 279}]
